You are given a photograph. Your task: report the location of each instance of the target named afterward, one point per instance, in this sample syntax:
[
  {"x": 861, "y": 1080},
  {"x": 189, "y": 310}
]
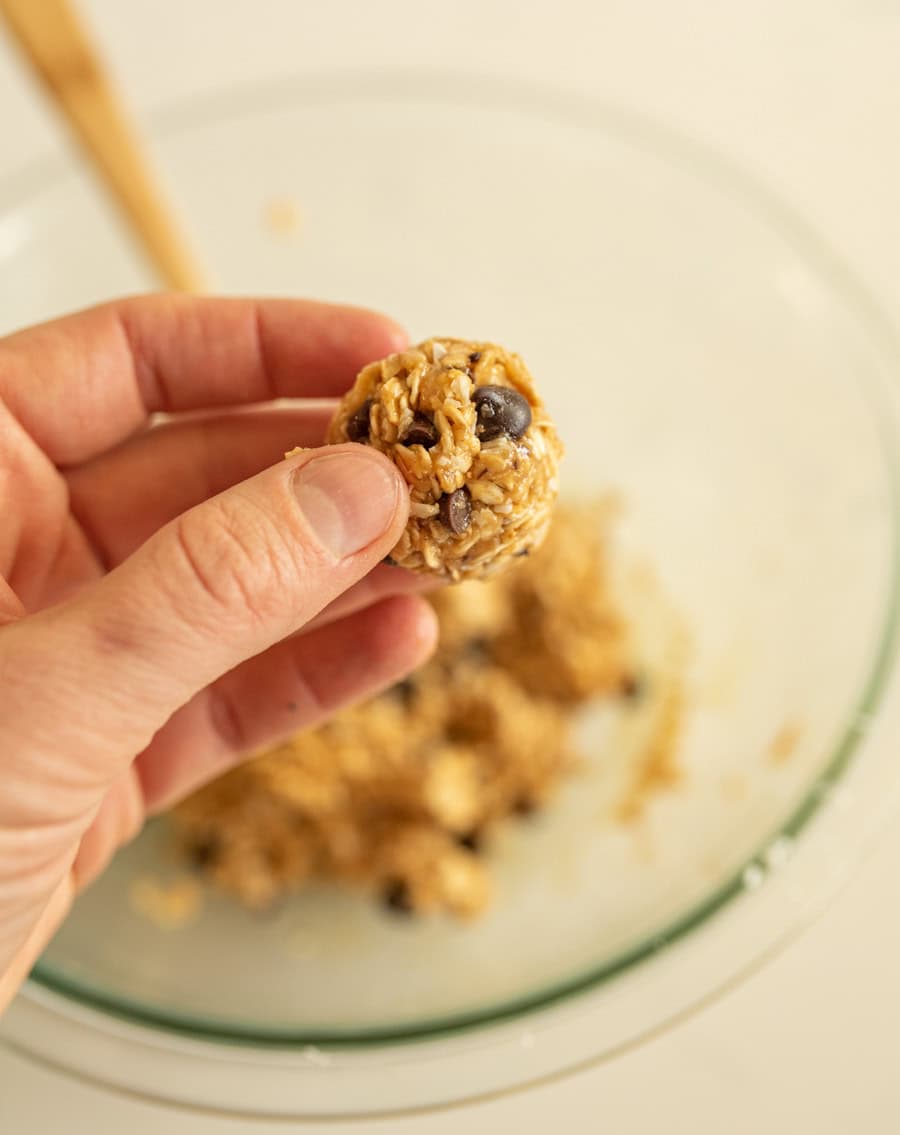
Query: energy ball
[{"x": 465, "y": 426}]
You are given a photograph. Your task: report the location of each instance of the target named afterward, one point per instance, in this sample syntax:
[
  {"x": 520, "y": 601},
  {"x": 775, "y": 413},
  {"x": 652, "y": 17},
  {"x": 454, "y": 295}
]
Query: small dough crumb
[
  {"x": 465, "y": 426},
  {"x": 167, "y": 905},
  {"x": 281, "y": 217}
]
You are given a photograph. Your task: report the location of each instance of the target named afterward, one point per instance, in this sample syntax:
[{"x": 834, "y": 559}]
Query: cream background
[{"x": 805, "y": 94}]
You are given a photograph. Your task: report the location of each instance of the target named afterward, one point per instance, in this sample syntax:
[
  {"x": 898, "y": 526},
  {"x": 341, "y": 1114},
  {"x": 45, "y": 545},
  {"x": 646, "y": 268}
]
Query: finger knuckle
[
  {"x": 233, "y": 566},
  {"x": 227, "y": 719}
]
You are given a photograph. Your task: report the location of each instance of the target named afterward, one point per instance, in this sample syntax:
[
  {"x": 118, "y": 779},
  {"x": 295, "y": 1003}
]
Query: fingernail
[{"x": 348, "y": 499}]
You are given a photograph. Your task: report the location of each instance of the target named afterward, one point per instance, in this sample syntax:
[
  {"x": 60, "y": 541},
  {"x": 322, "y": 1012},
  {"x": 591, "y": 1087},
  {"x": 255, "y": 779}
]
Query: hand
[{"x": 154, "y": 580}]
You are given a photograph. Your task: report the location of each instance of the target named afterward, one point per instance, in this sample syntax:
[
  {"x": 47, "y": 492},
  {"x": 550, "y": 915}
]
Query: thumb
[{"x": 88, "y": 683}]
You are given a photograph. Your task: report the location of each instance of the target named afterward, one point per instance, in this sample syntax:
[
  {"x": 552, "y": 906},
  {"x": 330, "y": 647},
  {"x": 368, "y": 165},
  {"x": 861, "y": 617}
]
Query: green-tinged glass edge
[{"x": 720, "y": 173}]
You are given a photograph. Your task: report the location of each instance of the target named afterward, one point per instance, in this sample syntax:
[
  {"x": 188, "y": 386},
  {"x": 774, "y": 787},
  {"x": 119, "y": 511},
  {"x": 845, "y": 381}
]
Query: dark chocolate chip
[
  {"x": 478, "y": 649},
  {"x": 461, "y": 732},
  {"x": 501, "y": 410},
  {"x": 472, "y": 841},
  {"x": 404, "y": 692},
  {"x": 358, "y": 422},
  {"x": 204, "y": 852},
  {"x": 456, "y": 510},
  {"x": 423, "y": 431},
  {"x": 397, "y": 898},
  {"x": 474, "y": 357},
  {"x": 525, "y": 806},
  {"x": 633, "y": 687}
]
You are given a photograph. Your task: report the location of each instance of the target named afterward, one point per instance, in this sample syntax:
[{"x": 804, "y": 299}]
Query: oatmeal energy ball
[{"x": 464, "y": 424}]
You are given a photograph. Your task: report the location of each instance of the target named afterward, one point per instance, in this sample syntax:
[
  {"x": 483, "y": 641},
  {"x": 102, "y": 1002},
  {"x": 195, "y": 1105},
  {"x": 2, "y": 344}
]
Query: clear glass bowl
[{"x": 702, "y": 354}]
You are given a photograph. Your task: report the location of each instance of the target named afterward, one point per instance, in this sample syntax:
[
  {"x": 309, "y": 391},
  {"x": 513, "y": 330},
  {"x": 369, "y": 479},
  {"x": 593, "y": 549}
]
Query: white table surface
[{"x": 805, "y": 93}]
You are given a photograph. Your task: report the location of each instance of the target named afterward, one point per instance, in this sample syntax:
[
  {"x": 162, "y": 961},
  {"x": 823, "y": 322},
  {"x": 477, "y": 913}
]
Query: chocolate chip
[
  {"x": 633, "y": 687},
  {"x": 423, "y": 431},
  {"x": 203, "y": 852},
  {"x": 478, "y": 648},
  {"x": 456, "y": 510},
  {"x": 472, "y": 841},
  {"x": 501, "y": 410},
  {"x": 525, "y": 806},
  {"x": 404, "y": 692},
  {"x": 397, "y": 898},
  {"x": 461, "y": 732},
  {"x": 474, "y": 357},
  {"x": 390, "y": 561},
  {"x": 358, "y": 422}
]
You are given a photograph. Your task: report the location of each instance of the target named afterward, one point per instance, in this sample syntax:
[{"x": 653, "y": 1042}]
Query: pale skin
[{"x": 174, "y": 597}]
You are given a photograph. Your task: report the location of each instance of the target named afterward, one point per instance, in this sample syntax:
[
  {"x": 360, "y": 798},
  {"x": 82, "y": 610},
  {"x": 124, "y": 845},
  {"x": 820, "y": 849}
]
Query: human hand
[{"x": 153, "y": 581}]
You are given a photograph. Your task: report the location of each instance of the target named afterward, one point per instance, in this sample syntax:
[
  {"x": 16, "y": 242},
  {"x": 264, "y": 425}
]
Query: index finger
[{"x": 84, "y": 382}]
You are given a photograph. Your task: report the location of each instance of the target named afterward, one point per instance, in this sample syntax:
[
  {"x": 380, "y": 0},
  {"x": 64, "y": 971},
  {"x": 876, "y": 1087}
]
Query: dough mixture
[
  {"x": 402, "y": 795},
  {"x": 465, "y": 426}
]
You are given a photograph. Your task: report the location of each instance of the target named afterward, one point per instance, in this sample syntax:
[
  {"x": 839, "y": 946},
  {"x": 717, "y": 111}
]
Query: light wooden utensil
[{"x": 60, "y": 51}]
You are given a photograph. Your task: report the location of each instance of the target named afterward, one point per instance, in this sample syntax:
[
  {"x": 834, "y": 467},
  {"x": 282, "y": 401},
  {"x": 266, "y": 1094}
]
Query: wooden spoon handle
[{"x": 56, "y": 44}]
